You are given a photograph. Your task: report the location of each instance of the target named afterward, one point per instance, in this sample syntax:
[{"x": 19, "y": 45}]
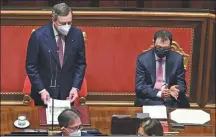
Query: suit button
[{"x": 58, "y": 86}]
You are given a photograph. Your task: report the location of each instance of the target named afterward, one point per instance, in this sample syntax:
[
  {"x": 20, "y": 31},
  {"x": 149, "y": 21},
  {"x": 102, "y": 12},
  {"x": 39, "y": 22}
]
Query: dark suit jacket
[
  {"x": 146, "y": 78},
  {"x": 42, "y": 62},
  {"x": 82, "y": 134}
]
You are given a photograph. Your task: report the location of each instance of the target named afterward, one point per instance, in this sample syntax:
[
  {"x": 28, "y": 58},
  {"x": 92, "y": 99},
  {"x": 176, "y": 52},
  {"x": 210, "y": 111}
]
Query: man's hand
[
  {"x": 45, "y": 96},
  {"x": 174, "y": 91},
  {"x": 73, "y": 95},
  {"x": 165, "y": 91}
]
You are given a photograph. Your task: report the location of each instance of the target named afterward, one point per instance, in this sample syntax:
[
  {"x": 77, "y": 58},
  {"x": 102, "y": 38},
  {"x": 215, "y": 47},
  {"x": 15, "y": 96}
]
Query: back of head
[
  {"x": 150, "y": 127},
  {"x": 68, "y": 115}
]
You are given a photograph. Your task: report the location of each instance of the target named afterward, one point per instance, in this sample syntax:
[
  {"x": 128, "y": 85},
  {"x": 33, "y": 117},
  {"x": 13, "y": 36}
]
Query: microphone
[
  {"x": 53, "y": 85},
  {"x": 51, "y": 71}
]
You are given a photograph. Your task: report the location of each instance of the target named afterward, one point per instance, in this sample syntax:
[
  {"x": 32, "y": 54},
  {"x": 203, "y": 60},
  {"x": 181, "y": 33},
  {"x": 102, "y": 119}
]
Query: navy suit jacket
[
  {"x": 146, "y": 78},
  {"x": 42, "y": 63}
]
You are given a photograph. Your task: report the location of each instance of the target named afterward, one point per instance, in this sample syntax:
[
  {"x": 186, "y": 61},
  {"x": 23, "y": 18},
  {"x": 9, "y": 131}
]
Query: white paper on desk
[
  {"x": 59, "y": 106},
  {"x": 189, "y": 116},
  {"x": 156, "y": 112}
]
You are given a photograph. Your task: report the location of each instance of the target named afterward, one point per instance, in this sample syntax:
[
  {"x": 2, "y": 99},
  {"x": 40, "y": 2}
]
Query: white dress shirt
[
  {"x": 56, "y": 37},
  {"x": 159, "y": 94}
]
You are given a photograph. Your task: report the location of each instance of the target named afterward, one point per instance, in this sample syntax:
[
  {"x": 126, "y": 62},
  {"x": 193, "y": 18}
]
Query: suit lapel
[
  {"x": 151, "y": 66},
  {"x": 51, "y": 43},
  {"x": 169, "y": 67},
  {"x": 68, "y": 44}
]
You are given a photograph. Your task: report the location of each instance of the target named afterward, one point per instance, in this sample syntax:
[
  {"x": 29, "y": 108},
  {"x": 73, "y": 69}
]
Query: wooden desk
[{"x": 100, "y": 118}]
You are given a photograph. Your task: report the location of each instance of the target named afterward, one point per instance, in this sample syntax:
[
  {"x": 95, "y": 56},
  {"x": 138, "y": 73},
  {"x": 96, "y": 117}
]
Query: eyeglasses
[{"x": 72, "y": 129}]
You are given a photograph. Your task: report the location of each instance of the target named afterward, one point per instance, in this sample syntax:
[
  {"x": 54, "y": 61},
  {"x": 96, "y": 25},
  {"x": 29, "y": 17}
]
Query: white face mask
[
  {"x": 64, "y": 29},
  {"x": 76, "y": 133}
]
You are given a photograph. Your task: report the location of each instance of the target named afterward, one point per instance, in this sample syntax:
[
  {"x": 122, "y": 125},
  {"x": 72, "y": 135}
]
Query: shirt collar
[
  {"x": 157, "y": 58},
  {"x": 54, "y": 30}
]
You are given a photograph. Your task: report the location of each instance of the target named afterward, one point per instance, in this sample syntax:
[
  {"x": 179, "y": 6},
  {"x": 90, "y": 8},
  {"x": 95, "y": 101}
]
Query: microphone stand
[
  {"x": 52, "y": 114},
  {"x": 53, "y": 86}
]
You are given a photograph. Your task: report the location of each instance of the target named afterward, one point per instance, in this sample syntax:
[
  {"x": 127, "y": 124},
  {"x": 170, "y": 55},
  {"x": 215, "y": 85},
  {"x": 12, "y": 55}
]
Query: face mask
[
  {"x": 76, "y": 133},
  {"x": 64, "y": 29},
  {"x": 161, "y": 52}
]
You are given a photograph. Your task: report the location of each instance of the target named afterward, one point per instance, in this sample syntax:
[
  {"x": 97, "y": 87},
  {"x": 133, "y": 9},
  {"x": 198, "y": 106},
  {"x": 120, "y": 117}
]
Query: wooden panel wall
[{"x": 196, "y": 4}]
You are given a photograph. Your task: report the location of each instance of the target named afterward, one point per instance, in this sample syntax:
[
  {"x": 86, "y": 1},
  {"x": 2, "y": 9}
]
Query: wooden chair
[{"x": 175, "y": 47}]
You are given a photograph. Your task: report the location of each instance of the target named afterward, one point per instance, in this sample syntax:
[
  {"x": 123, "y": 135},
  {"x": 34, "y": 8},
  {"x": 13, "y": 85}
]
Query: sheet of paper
[
  {"x": 190, "y": 116},
  {"x": 156, "y": 112},
  {"x": 59, "y": 106}
]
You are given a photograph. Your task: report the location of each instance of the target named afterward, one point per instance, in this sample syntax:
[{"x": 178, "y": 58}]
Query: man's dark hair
[
  {"x": 164, "y": 35},
  {"x": 67, "y": 115},
  {"x": 151, "y": 127}
]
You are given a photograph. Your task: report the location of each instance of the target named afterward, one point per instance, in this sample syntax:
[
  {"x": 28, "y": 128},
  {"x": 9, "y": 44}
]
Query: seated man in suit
[
  {"x": 160, "y": 74},
  {"x": 150, "y": 127},
  {"x": 70, "y": 123}
]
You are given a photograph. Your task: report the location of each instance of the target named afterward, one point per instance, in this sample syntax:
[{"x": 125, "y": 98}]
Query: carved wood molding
[
  {"x": 109, "y": 13},
  {"x": 111, "y": 93},
  {"x": 14, "y": 98}
]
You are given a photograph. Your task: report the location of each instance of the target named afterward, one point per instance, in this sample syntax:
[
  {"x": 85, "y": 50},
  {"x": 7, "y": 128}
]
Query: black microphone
[
  {"x": 53, "y": 85},
  {"x": 51, "y": 70},
  {"x": 51, "y": 82}
]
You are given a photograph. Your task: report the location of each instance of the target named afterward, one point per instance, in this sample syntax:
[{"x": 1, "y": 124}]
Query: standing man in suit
[
  {"x": 160, "y": 74},
  {"x": 55, "y": 61}
]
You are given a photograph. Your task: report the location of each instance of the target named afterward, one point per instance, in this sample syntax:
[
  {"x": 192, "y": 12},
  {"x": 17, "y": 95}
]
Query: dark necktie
[
  {"x": 60, "y": 50},
  {"x": 159, "y": 77}
]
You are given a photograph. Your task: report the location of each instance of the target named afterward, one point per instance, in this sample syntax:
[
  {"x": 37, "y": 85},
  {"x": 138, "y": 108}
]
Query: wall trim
[{"x": 111, "y": 13}]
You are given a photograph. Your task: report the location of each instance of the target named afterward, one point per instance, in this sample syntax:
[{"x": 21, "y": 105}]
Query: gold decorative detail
[
  {"x": 14, "y": 98},
  {"x": 210, "y": 106},
  {"x": 110, "y": 13},
  {"x": 84, "y": 36},
  {"x": 194, "y": 105},
  {"x": 82, "y": 100},
  {"x": 11, "y": 103},
  {"x": 179, "y": 50},
  {"x": 51, "y": 133},
  {"x": 110, "y": 103},
  {"x": 11, "y": 93},
  {"x": 26, "y": 99},
  {"x": 110, "y": 93},
  {"x": 171, "y": 133}
]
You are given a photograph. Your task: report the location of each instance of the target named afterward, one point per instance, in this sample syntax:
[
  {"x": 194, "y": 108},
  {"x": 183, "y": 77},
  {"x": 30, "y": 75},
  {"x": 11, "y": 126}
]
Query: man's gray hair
[{"x": 61, "y": 9}]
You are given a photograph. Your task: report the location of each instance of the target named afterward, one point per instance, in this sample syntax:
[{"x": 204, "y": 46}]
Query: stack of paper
[
  {"x": 59, "y": 106},
  {"x": 190, "y": 116},
  {"x": 156, "y": 112}
]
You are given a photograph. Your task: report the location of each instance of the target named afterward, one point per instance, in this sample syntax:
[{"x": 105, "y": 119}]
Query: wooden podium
[{"x": 99, "y": 117}]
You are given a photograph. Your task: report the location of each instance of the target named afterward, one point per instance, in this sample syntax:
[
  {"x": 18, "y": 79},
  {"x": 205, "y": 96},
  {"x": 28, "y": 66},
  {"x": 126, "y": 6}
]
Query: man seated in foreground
[
  {"x": 150, "y": 127},
  {"x": 70, "y": 123}
]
